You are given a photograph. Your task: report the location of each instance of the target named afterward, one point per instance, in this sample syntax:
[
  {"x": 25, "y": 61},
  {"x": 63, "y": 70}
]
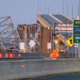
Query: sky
[{"x": 24, "y": 11}]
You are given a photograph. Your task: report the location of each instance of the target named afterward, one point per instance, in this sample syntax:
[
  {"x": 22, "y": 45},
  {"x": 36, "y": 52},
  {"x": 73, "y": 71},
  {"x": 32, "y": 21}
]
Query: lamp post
[
  {"x": 41, "y": 7},
  {"x": 78, "y": 10},
  {"x": 44, "y": 8},
  {"x": 53, "y": 34},
  {"x": 79, "y": 43},
  {"x": 53, "y": 10},
  {"x": 38, "y": 6},
  {"x": 48, "y": 9},
  {"x": 63, "y": 6},
  {"x": 58, "y": 12},
  {"x": 72, "y": 11},
  {"x": 67, "y": 8}
]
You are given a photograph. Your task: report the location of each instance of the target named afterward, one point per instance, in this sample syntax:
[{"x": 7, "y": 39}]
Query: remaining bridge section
[
  {"x": 63, "y": 25},
  {"x": 63, "y": 19}
]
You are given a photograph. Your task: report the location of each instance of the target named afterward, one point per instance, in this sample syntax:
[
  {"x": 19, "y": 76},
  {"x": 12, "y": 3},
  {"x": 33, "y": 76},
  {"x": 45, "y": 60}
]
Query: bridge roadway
[
  {"x": 32, "y": 58},
  {"x": 69, "y": 76},
  {"x": 39, "y": 55},
  {"x": 22, "y": 58},
  {"x": 35, "y": 56}
]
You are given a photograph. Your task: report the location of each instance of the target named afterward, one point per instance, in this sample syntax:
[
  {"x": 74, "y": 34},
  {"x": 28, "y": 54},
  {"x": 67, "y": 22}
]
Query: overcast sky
[{"x": 24, "y": 11}]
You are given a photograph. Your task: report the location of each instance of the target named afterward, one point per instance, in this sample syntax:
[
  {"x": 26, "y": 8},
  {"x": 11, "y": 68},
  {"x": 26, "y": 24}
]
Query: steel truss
[{"x": 9, "y": 37}]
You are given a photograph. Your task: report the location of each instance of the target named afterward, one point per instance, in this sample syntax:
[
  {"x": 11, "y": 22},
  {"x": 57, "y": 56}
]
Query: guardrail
[{"x": 36, "y": 68}]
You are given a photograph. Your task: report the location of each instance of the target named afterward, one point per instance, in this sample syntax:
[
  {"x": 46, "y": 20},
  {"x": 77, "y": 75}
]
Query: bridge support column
[{"x": 25, "y": 38}]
